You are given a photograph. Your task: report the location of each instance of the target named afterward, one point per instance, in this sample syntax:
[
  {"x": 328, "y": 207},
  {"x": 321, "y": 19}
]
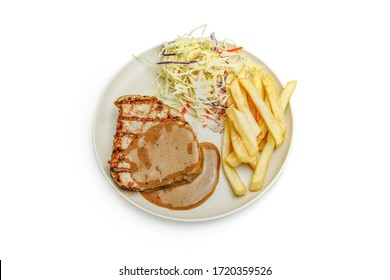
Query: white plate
[{"x": 137, "y": 77}]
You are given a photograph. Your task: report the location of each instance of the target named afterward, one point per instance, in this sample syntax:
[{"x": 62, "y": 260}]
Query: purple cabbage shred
[{"x": 176, "y": 62}]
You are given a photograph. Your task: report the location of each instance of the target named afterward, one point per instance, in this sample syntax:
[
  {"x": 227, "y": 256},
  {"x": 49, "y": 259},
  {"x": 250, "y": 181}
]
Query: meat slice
[
  {"x": 191, "y": 195},
  {"x": 153, "y": 146}
]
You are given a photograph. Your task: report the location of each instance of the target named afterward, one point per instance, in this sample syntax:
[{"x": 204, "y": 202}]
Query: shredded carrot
[
  {"x": 234, "y": 49},
  {"x": 185, "y": 109},
  {"x": 208, "y": 113}
]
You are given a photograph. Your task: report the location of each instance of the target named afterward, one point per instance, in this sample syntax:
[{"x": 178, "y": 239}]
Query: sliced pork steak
[{"x": 153, "y": 146}]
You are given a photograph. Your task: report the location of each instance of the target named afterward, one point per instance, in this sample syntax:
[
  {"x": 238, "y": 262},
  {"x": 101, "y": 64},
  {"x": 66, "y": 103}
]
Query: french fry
[
  {"x": 272, "y": 124},
  {"x": 242, "y": 73},
  {"x": 232, "y": 159},
  {"x": 241, "y": 101},
  {"x": 286, "y": 93},
  {"x": 229, "y": 101},
  {"x": 252, "y": 109},
  {"x": 260, "y": 89},
  {"x": 234, "y": 179},
  {"x": 229, "y": 78},
  {"x": 244, "y": 130},
  {"x": 237, "y": 143},
  {"x": 262, "y": 144},
  {"x": 253, "y": 162},
  {"x": 274, "y": 99},
  {"x": 262, "y": 134},
  {"x": 258, "y": 176},
  {"x": 258, "y": 83}
]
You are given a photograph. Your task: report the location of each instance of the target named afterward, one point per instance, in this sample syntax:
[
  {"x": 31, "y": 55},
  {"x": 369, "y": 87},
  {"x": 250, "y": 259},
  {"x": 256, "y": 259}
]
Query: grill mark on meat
[{"x": 144, "y": 122}]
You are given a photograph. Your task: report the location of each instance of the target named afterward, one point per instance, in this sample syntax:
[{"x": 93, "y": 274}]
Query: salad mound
[{"x": 192, "y": 75}]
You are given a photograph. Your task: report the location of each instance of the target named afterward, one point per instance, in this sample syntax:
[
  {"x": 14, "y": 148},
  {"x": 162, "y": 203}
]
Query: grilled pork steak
[{"x": 154, "y": 146}]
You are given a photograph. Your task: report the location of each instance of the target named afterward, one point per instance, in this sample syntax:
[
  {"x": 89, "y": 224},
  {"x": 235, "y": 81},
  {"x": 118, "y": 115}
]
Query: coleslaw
[{"x": 192, "y": 75}]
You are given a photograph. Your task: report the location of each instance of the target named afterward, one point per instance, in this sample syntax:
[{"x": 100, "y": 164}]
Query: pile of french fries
[{"x": 254, "y": 126}]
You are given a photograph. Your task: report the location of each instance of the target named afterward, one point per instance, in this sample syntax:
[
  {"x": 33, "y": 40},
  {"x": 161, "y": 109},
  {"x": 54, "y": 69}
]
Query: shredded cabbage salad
[{"x": 192, "y": 73}]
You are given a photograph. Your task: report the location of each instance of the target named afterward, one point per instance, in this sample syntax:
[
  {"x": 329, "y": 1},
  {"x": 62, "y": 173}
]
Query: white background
[{"x": 327, "y": 217}]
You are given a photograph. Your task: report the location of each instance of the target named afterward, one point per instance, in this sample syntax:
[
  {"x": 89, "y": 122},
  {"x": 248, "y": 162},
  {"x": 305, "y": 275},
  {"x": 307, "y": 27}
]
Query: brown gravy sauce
[
  {"x": 166, "y": 154},
  {"x": 193, "y": 194}
]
